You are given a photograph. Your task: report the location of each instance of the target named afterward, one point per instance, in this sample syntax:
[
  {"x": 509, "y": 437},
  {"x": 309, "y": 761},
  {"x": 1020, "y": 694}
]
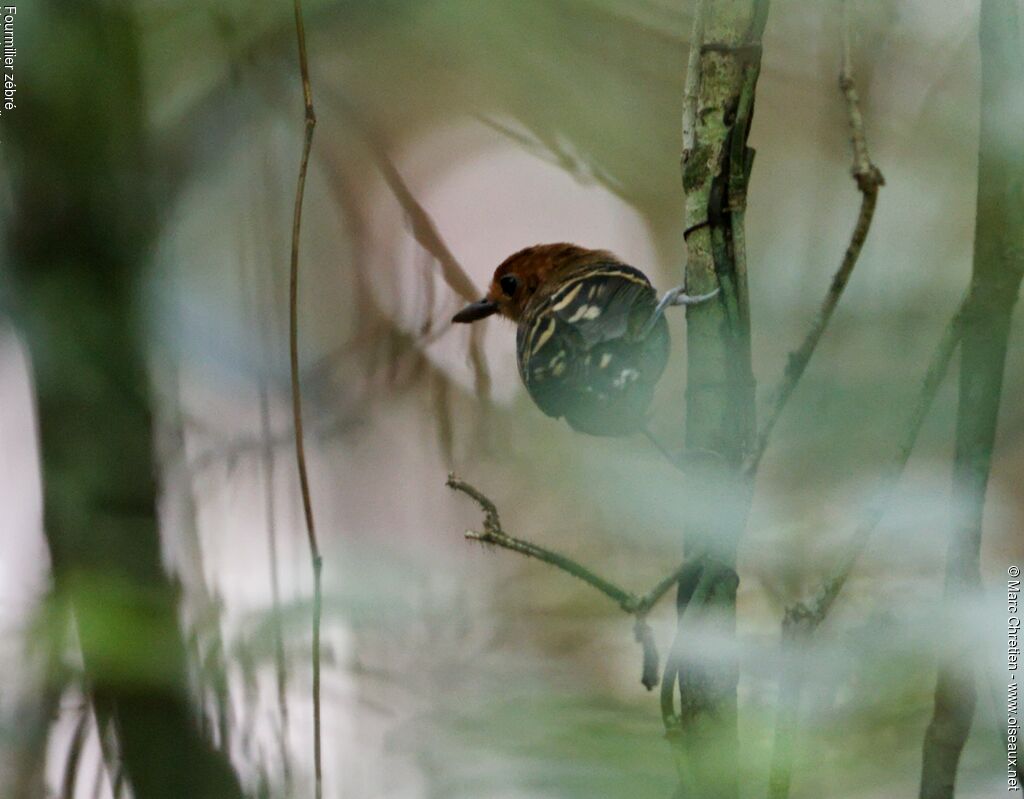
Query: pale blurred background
[{"x": 454, "y": 671}]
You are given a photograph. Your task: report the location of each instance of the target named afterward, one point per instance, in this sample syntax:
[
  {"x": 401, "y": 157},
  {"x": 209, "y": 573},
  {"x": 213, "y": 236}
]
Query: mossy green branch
[{"x": 720, "y": 419}]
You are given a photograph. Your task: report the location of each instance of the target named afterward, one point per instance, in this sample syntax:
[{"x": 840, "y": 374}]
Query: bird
[{"x": 591, "y": 338}]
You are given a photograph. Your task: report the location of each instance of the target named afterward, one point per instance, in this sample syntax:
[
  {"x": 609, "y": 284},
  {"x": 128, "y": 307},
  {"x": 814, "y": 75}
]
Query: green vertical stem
[
  {"x": 720, "y": 409},
  {"x": 995, "y": 283}
]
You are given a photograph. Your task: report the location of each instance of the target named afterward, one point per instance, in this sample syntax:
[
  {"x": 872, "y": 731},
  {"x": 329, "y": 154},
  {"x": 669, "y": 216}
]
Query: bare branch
[
  {"x": 869, "y": 179},
  {"x": 423, "y": 227},
  {"x": 293, "y": 340},
  {"x": 937, "y": 369},
  {"x": 803, "y": 618},
  {"x": 494, "y": 534},
  {"x": 550, "y": 150},
  {"x": 492, "y": 521},
  {"x": 638, "y": 606},
  {"x": 650, "y": 599},
  {"x": 424, "y": 231}
]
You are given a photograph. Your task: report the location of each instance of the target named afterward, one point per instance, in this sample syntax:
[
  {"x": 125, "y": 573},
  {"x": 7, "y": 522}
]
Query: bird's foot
[{"x": 678, "y": 296}]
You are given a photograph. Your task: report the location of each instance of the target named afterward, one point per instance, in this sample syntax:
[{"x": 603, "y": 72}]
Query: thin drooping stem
[
  {"x": 869, "y": 179},
  {"x": 803, "y": 618},
  {"x": 638, "y": 605},
  {"x": 293, "y": 342},
  {"x": 995, "y": 283}
]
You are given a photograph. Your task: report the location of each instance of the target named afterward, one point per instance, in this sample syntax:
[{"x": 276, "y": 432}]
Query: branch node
[
  {"x": 869, "y": 179},
  {"x": 628, "y": 602}
]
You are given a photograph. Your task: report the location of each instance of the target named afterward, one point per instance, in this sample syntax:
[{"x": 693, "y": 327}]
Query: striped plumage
[{"x": 585, "y": 349}]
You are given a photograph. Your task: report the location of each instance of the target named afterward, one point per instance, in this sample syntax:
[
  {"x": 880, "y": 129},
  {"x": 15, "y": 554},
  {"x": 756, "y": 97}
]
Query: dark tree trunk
[{"x": 80, "y": 235}]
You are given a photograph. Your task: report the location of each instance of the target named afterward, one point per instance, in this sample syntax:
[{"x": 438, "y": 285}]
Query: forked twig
[
  {"x": 293, "y": 341},
  {"x": 869, "y": 180},
  {"x": 637, "y": 605}
]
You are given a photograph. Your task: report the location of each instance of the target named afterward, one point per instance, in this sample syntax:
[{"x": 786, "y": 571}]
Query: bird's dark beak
[{"x": 476, "y": 310}]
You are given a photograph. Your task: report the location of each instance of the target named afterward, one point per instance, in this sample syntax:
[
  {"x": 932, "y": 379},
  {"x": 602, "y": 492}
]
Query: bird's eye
[{"x": 509, "y": 284}]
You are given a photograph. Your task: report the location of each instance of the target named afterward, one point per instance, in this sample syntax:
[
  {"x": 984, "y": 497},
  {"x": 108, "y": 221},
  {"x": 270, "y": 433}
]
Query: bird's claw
[{"x": 678, "y": 296}]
